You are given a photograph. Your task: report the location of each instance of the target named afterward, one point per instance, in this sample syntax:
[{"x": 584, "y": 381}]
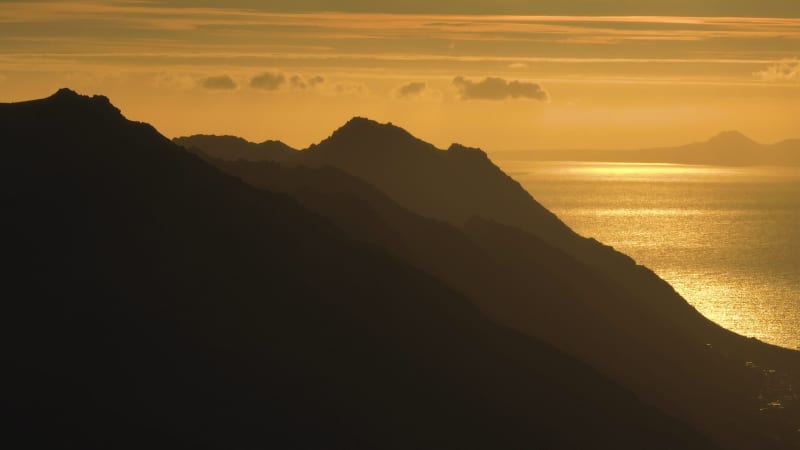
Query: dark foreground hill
[
  {"x": 154, "y": 302},
  {"x": 528, "y": 270}
]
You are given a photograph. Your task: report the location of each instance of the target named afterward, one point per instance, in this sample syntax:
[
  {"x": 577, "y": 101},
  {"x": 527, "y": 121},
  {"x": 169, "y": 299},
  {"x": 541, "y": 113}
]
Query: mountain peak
[
  {"x": 458, "y": 149},
  {"x": 731, "y": 137},
  {"x": 365, "y": 135},
  {"x": 65, "y": 93},
  {"x": 97, "y": 103},
  {"x": 358, "y": 121},
  {"x": 364, "y": 125}
]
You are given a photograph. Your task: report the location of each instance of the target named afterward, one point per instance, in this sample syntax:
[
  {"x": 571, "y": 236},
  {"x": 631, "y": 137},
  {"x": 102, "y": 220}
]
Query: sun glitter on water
[{"x": 725, "y": 238}]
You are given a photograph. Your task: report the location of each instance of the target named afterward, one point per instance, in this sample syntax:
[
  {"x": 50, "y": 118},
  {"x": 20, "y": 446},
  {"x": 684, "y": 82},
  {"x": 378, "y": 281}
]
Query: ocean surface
[{"x": 727, "y": 239}]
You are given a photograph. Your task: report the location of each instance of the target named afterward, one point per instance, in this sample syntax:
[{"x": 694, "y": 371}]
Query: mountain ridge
[
  {"x": 519, "y": 243},
  {"x": 164, "y": 304},
  {"x": 234, "y": 147},
  {"x": 379, "y": 159}
]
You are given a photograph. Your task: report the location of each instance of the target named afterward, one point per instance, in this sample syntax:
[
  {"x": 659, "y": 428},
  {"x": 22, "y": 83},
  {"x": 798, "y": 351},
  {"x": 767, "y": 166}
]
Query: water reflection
[
  {"x": 725, "y": 238},
  {"x": 637, "y": 171}
]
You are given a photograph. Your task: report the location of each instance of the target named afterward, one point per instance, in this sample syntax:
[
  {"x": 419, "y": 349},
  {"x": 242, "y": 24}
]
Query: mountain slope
[
  {"x": 523, "y": 281},
  {"x": 579, "y": 295},
  {"x": 158, "y": 303}
]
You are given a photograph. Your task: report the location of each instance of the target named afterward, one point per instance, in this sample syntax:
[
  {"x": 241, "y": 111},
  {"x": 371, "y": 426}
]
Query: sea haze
[{"x": 726, "y": 238}]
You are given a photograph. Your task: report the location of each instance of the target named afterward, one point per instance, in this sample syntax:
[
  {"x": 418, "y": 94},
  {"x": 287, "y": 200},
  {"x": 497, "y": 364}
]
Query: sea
[{"x": 726, "y": 238}]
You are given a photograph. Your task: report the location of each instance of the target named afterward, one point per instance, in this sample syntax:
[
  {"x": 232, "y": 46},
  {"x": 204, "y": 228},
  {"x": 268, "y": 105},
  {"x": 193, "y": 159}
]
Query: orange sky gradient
[{"x": 542, "y": 79}]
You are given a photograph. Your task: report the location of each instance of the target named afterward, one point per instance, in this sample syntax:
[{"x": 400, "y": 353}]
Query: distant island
[{"x": 730, "y": 148}]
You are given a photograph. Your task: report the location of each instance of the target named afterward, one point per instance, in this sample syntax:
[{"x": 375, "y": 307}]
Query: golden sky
[{"x": 502, "y": 75}]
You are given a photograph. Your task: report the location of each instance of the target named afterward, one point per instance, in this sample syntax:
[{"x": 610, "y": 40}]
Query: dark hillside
[{"x": 155, "y": 302}]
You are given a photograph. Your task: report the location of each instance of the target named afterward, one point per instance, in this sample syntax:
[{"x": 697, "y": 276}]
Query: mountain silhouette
[
  {"x": 732, "y": 138},
  {"x": 575, "y": 293},
  {"x": 234, "y": 148},
  {"x": 441, "y": 184},
  {"x": 435, "y": 183},
  {"x": 156, "y": 302},
  {"x": 729, "y": 148}
]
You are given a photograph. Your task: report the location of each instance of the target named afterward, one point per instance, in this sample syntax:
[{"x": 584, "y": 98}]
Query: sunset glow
[
  {"x": 405, "y": 224},
  {"x": 607, "y": 79}
]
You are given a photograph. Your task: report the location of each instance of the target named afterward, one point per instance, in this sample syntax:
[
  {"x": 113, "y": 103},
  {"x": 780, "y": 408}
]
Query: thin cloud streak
[
  {"x": 328, "y": 38},
  {"x": 244, "y": 41},
  {"x": 384, "y": 57},
  {"x": 388, "y": 25},
  {"x": 53, "y": 11}
]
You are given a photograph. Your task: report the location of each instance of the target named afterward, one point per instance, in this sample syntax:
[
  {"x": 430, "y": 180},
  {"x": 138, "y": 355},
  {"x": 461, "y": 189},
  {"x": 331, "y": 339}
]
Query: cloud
[
  {"x": 784, "y": 70},
  {"x": 222, "y": 82},
  {"x": 493, "y": 88},
  {"x": 268, "y": 81},
  {"x": 413, "y": 89},
  {"x": 348, "y": 88},
  {"x": 345, "y": 88},
  {"x": 170, "y": 80},
  {"x": 297, "y": 82},
  {"x": 518, "y": 65},
  {"x": 315, "y": 80}
]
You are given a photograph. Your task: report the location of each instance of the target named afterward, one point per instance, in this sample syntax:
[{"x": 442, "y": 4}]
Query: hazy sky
[{"x": 507, "y": 74}]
